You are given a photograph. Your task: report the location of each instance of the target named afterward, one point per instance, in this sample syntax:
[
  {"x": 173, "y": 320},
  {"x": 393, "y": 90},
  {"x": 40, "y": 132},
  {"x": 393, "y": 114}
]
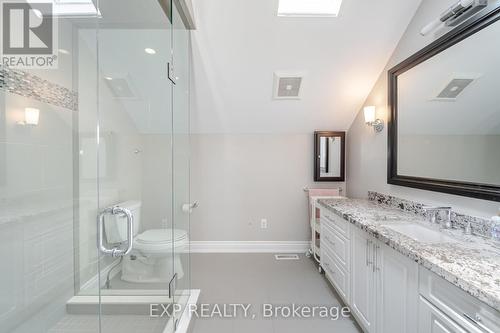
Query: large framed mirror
[
  {"x": 329, "y": 156},
  {"x": 444, "y": 119}
]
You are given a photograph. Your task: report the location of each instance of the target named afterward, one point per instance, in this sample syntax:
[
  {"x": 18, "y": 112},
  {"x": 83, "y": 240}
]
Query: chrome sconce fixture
[
  {"x": 455, "y": 15},
  {"x": 371, "y": 118}
]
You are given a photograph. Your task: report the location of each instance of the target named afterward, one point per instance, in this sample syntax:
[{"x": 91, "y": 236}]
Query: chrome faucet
[{"x": 435, "y": 211}]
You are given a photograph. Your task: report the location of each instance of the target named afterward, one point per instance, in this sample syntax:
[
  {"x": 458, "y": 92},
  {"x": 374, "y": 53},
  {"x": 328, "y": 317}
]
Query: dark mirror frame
[
  {"x": 474, "y": 190},
  {"x": 317, "y": 173}
]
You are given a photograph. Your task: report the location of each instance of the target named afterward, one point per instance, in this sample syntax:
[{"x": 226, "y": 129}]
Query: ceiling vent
[
  {"x": 121, "y": 87},
  {"x": 287, "y": 85},
  {"x": 455, "y": 87}
]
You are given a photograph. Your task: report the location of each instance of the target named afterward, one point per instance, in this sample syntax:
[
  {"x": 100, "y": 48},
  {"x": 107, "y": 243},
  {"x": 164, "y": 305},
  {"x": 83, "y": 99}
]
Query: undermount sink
[{"x": 420, "y": 233}]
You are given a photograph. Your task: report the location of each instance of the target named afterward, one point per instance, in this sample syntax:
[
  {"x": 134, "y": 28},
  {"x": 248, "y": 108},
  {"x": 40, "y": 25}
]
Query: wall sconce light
[
  {"x": 31, "y": 117},
  {"x": 371, "y": 118}
]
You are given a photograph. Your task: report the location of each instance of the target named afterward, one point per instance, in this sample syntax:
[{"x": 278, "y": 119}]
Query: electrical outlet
[{"x": 263, "y": 223}]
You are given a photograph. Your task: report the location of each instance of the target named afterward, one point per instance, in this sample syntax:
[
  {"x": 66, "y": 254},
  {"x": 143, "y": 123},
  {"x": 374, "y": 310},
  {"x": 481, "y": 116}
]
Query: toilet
[{"x": 150, "y": 260}]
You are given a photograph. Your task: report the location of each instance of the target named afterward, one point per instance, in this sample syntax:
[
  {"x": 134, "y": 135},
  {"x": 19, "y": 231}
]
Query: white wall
[
  {"x": 423, "y": 156},
  {"x": 156, "y": 181},
  {"x": 238, "y": 45},
  {"x": 241, "y": 178},
  {"x": 367, "y": 151}
]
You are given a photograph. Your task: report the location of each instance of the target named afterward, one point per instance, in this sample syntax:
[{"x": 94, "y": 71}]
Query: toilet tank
[{"x": 116, "y": 225}]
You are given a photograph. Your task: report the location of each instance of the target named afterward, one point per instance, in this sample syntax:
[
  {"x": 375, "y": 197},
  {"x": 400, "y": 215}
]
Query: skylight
[
  {"x": 309, "y": 8},
  {"x": 75, "y": 8}
]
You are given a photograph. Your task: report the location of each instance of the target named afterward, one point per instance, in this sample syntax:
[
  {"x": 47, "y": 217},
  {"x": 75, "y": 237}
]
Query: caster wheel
[
  {"x": 320, "y": 269},
  {"x": 308, "y": 254}
]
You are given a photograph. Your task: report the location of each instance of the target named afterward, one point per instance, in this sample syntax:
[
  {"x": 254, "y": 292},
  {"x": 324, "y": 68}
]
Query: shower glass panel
[
  {"x": 181, "y": 170},
  {"x": 108, "y": 127},
  {"x": 39, "y": 187},
  {"x": 135, "y": 163}
]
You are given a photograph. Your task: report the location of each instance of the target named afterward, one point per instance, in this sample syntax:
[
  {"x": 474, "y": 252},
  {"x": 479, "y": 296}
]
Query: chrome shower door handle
[{"x": 115, "y": 251}]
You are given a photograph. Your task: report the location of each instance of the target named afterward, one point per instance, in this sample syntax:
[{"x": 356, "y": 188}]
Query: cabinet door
[
  {"x": 431, "y": 320},
  {"x": 362, "y": 277},
  {"x": 397, "y": 291}
]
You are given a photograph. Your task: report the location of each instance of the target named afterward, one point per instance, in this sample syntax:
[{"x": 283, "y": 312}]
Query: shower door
[
  {"x": 135, "y": 163},
  {"x": 108, "y": 127},
  {"x": 183, "y": 205}
]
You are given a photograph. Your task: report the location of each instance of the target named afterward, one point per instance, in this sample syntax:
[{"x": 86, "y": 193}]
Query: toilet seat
[{"x": 156, "y": 241}]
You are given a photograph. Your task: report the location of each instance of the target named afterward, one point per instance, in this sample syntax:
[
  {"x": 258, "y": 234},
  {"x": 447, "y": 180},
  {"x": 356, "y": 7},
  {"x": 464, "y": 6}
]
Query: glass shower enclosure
[{"x": 94, "y": 172}]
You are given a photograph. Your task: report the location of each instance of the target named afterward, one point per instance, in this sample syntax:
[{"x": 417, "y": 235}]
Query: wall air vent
[{"x": 287, "y": 85}]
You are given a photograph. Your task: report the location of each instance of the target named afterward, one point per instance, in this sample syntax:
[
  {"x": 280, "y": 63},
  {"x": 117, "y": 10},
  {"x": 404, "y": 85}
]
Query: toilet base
[{"x": 136, "y": 268}]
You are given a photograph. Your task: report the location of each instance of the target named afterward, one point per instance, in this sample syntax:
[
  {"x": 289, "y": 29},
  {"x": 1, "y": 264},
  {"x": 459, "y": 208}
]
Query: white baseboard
[{"x": 249, "y": 246}]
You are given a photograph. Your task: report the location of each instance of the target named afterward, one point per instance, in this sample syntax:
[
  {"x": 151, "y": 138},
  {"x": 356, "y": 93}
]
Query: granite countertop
[{"x": 472, "y": 262}]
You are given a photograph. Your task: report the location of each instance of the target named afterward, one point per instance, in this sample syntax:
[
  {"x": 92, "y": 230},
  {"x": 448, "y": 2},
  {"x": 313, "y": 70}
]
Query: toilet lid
[{"x": 161, "y": 236}]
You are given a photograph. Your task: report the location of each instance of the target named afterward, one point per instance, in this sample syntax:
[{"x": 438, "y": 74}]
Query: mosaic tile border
[
  {"x": 32, "y": 86},
  {"x": 480, "y": 226},
  {"x": 2, "y": 78}
]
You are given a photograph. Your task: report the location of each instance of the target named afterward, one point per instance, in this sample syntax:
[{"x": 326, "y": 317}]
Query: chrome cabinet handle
[
  {"x": 329, "y": 268},
  {"x": 115, "y": 251},
  {"x": 477, "y": 322},
  {"x": 375, "y": 257},
  {"x": 368, "y": 242},
  {"x": 330, "y": 241}
]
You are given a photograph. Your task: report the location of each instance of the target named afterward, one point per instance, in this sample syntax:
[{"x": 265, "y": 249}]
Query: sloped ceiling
[{"x": 238, "y": 45}]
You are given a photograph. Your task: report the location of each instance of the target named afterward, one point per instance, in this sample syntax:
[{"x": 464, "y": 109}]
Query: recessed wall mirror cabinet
[
  {"x": 329, "y": 156},
  {"x": 444, "y": 119}
]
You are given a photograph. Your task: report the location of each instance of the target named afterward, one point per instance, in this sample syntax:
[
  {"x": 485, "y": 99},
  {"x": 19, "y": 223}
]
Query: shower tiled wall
[
  {"x": 36, "y": 194},
  {"x": 36, "y": 205}
]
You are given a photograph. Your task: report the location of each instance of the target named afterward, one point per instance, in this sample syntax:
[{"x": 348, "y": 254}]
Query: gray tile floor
[
  {"x": 259, "y": 279},
  {"x": 110, "y": 324}
]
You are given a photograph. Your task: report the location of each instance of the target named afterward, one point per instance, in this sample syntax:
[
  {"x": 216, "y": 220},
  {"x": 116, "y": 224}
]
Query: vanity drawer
[
  {"x": 464, "y": 309},
  {"x": 336, "y": 245},
  {"x": 335, "y": 274},
  {"x": 334, "y": 221}
]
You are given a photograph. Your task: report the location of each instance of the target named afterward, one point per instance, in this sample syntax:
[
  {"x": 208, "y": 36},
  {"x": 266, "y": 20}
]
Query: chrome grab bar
[{"x": 115, "y": 251}]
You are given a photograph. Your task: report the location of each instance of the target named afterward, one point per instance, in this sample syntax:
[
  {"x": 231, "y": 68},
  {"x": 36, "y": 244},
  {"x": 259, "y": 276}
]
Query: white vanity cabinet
[
  {"x": 446, "y": 308},
  {"x": 396, "y": 285},
  {"x": 335, "y": 251},
  {"x": 379, "y": 284},
  {"x": 363, "y": 279},
  {"x": 384, "y": 289},
  {"x": 390, "y": 293}
]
